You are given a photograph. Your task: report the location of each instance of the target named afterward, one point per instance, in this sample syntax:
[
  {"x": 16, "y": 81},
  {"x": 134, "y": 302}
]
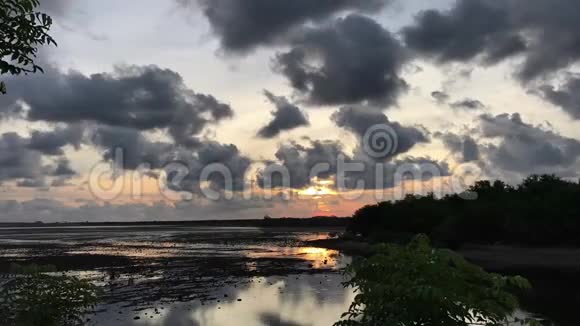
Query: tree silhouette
[{"x": 542, "y": 210}]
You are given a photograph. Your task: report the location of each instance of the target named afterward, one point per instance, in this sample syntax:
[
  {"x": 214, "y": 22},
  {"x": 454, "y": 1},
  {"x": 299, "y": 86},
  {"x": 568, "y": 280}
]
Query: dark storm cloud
[
  {"x": 61, "y": 172},
  {"x": 347, "y": 61},
  {"x": 506, "y": 147},
  {"x": 385, "y": 175},
  {"x": 63, "y": 169},
  {"x": 128, "y": 148},
  {"x": 286, "y": 116},
  {"x": 140, "y": 97},
  {"x": 440, "y": 96},
  {"x": 360, "y": 119},
  {"x": 209, "y": 156},
  {"x": 468, "y": 104},
  {"x": 131, "y": 149},
  {"x": 17, "y": 160},
  {"x": 243, "y": 25},
  {"x": 464, "y": 146},
  {"x": 567, "y": 96},
  {"x": 299, "y": 160},
  {"x": 525, "y": 148},
  {"x": 52, "y": 142},
  {"x": 470, "y": 29},
  {"x": 229, "y": 156},
  {"x": 545, "y": 33},
  {"x": 320, "y": 159},
  {"x": 22, "y": 164}
]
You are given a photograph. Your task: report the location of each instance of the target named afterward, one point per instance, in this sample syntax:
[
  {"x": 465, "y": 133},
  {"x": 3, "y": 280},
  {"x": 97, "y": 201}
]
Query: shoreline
[
  {"x": 551, "y": 271},
  {"x": 306, "y": 222},
  {"x": 491, "y": 257}
]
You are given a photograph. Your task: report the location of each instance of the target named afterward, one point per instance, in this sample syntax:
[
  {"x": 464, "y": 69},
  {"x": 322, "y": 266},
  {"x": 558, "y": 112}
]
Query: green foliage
[
  {"x": 542, "y": 210},
  {"x": 421, "y": 286},
  {"x": 22, "y": 30},
  {"x": 35, "y": 298}
]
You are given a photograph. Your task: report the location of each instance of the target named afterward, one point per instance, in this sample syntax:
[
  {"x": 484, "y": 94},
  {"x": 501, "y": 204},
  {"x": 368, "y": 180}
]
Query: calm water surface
[
  {"x": 174, "y": 275},
  {"x": 285, "y": 301}
]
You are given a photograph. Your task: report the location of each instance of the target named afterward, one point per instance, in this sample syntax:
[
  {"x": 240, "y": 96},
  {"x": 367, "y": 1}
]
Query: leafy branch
[
  {"x": 22, "y": 31},
  {"x": 421, "y": 286}
]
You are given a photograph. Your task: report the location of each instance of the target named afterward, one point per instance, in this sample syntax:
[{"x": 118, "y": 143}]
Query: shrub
[
  {"x": 421, "y": 286},
  {"x": 36, "y": 298}
]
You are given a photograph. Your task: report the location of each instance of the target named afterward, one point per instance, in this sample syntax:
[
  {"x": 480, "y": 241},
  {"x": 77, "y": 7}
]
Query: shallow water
[
  {"x": 182, "y": 275},
  {"x": 291, "y": 301},
  {"x": 174, "y": 275}
]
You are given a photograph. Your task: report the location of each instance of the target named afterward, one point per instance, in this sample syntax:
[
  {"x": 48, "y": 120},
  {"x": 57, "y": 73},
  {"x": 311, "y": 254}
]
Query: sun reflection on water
[{"x": 318, "y": 258}]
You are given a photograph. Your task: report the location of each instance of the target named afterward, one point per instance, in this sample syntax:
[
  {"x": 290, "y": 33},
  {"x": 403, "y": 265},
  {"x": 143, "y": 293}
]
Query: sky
[{"x": 225, "y": 109}]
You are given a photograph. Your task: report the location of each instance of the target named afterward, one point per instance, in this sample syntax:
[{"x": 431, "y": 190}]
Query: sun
[{"x": 316, "y": 191}]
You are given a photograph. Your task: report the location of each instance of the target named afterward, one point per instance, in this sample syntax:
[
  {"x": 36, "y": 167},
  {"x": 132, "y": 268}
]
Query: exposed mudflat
[
  {"x": 146, "y": 272},
  {"x": 207, "y": 275}
]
